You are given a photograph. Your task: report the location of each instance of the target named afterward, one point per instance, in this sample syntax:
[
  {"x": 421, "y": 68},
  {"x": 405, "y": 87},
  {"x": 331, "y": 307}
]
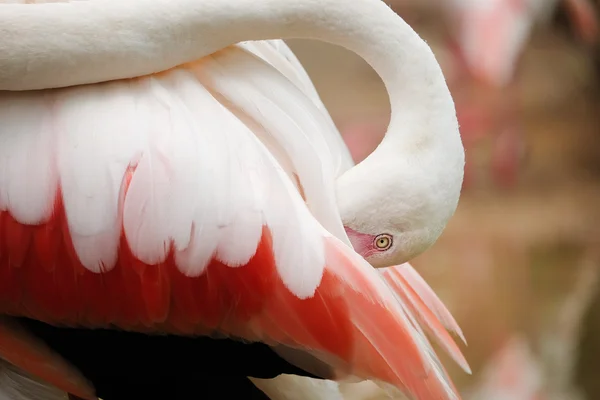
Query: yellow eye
[{"x": 383, "y": 242}]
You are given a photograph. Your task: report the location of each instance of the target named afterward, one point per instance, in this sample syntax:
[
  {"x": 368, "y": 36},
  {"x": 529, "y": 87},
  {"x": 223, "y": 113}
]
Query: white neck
[{"x": 62, "y": 44}]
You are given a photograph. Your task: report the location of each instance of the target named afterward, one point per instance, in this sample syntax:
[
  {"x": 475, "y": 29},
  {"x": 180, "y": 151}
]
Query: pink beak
[{"x": 362, "y": 242}]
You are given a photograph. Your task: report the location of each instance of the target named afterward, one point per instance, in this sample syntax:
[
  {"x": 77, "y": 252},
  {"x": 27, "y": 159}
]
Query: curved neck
[{"x": 54, "y": 45}]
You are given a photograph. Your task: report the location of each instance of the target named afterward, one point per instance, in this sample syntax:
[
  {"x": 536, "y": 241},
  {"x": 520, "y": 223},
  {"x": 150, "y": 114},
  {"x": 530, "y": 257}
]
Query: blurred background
[{"x": 519, "y": 263}]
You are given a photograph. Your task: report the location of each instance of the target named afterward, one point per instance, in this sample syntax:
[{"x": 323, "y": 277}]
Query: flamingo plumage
[{"x": 167, "y": 180}]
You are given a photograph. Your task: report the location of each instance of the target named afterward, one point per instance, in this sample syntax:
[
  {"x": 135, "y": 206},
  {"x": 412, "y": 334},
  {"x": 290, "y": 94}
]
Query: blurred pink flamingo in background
[
  {"x": 491, "y": 34},
  {"x": 541, "y": 365},
  {"x": 513, "y": 373}
]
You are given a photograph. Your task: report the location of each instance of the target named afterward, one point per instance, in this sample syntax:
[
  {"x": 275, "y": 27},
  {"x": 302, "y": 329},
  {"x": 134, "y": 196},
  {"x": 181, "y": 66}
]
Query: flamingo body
[
  {"x": 203, "y": 201},
  {"x": 119, "y": 240}
]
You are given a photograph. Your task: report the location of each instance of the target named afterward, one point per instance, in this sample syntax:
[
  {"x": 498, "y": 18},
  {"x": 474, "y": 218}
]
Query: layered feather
[
  {"x": 280, "y": 56},
  {"x": 428, "y": 309},
  {"x": 168, "y": 204}
]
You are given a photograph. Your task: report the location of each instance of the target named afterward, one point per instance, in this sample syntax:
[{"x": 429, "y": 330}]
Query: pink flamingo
[
  {"x": 513, "y": 373},
  {"x": 492, "y": 33},
  {"x": 169, "y": 181},
  {"x": 491, "y": 36}
]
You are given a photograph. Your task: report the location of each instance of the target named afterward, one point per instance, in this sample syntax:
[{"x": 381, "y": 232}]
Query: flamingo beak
[{"x": 361, "y": 242}]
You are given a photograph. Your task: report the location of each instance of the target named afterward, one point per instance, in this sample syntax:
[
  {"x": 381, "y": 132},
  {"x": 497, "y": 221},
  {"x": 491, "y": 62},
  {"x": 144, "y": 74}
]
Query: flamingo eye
[{"x": 383, "y": 242}]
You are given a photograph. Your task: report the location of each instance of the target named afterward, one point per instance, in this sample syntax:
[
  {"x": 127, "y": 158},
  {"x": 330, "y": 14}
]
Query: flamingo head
[{"x": 393, "y": 218}]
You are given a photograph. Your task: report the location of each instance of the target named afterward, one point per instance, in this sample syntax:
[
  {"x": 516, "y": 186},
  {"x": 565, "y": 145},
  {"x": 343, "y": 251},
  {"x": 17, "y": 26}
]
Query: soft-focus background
[{"x": 519, "y": 263}]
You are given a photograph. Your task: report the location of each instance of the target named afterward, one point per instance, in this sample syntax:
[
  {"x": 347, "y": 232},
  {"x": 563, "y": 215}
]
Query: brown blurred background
[{"x": 518, "y": 264}]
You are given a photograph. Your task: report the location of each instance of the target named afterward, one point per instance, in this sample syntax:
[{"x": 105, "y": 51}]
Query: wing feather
[
  {"x": 24, "y": 135},
  {"x": 427, "y": 308},
  {"x": 288, "y": 117},
  {"x": 87, "y": 135},
  {"x": 172, "y": 215},
  {"x": 280, "y": 56}
]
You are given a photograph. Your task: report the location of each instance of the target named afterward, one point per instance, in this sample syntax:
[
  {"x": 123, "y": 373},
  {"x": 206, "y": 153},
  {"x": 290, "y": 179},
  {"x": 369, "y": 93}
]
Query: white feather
[
  {"x": 229, "y": 165},
  {"x": 288, "y": 117},
  {"x": 278, "y": 54},
  {"x": 25, "y": 137},
  {"x": 293, "y": 387},
  {"x": 158, "y": 207},
  {"x": 252, "y": 189},
  {"x": 17, "y": 385},
  {"x": 199, "y": 180},
  {"x": 92, "y": 165}
]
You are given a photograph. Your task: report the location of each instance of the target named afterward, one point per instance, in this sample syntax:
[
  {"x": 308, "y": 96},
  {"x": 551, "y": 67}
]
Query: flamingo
[
  {"x": 492, "y": 34},
  {"x": 513, "y": 373},
  {"x": 170, "y": 181}
]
